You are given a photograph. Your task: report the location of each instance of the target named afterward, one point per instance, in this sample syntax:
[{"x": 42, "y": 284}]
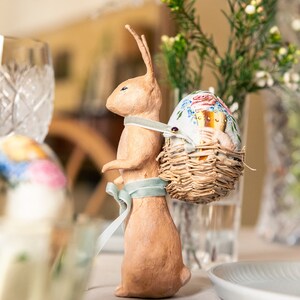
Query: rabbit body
[{"x": 152, "y": 265}]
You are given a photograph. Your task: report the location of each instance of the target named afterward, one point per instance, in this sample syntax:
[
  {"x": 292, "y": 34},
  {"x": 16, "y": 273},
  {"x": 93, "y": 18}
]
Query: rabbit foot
[
  {"x": 185, "y": 275},
  {"x": 121, "y": 292}
]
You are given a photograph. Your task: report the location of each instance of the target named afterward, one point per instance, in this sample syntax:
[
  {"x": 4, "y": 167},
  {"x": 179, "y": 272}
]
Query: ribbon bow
[{"x": 150, "y": 187}]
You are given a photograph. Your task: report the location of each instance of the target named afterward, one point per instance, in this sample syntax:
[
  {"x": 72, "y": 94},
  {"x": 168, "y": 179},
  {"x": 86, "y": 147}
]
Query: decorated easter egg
[
  {"x": 35, "y": 184},
  {"x": 202, "y": 158},
  {"x": 203, "y": 109}
]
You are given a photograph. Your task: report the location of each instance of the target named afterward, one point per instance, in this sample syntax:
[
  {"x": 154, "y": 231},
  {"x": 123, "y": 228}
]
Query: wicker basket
[{"x": 203, "y": 175}]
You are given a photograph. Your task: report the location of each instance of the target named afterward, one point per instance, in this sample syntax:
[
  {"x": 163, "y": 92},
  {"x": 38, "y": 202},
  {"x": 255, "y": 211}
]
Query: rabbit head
[{"x": 140, "y": 95}]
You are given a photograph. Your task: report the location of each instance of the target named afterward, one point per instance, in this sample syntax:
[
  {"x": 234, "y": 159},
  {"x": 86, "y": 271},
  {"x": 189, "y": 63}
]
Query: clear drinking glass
[{"x": 26, "y": 87}]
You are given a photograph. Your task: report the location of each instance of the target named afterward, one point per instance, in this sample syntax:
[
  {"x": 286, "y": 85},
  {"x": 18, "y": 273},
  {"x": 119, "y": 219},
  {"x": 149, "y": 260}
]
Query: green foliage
[
  {"x": 22, "y": 257},
  {"x": 256, "y": 57}
]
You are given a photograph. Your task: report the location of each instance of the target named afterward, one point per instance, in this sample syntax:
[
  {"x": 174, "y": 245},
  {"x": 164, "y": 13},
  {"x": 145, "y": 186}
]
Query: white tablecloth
[{"x": 106, "y": 270}]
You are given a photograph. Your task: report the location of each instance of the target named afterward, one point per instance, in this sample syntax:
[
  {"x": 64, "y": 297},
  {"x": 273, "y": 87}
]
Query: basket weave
[{"x": 202, "y": 176}]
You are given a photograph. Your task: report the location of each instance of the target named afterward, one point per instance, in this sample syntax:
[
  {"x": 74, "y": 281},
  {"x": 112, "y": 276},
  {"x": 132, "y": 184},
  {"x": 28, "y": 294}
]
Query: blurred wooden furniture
[{"x": 86, "y": 143}]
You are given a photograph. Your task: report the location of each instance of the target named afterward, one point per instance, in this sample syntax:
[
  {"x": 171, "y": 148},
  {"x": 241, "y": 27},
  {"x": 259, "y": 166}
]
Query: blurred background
[{"x": 92, "y": 53}]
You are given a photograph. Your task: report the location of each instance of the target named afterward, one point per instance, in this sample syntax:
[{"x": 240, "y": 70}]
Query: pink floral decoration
[{"x": 47, "y": 173}]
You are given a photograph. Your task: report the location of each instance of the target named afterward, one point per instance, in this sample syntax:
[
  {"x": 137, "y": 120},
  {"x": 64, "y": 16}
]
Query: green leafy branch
[{"x": 256, "y": 57}]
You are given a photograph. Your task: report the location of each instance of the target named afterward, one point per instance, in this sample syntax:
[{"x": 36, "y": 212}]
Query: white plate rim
[{"x": 225, "y": 287}]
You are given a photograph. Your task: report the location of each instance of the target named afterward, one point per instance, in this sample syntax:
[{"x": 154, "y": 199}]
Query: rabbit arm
[
  {"x": 134, "y": 162},
  {"x": 123, "y": 164},
  {"x": 138, "y": 151},
  {"x": 117, "y": 164}
]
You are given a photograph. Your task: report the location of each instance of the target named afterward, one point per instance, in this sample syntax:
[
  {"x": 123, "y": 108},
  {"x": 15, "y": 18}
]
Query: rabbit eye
[{"x": 124, "y": 88}]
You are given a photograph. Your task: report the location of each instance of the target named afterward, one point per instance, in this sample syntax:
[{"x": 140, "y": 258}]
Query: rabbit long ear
[{"x": 144, "y": 49}]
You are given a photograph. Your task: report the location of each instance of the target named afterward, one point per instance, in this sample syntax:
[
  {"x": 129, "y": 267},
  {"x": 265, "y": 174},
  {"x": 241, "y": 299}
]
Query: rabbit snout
[{"x": 132, "y": 97}]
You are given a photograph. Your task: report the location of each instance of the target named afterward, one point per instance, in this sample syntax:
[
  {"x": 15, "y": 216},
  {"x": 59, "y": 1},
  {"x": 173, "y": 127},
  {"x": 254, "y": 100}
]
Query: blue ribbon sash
[{"x": 150, "y": 187}]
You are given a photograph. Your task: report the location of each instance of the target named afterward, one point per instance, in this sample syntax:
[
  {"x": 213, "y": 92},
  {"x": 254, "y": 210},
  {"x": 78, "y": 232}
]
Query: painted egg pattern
[
  {"x": 203, "y": 109},
  {"x": 36, "y": 186}
]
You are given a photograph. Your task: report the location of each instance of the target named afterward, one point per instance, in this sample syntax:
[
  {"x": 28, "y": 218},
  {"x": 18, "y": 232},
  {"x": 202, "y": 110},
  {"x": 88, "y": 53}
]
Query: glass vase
[
  {"x": 279, "y": 216},
  {"x": 43, "y": 260},
  {"x": 209, "y": 232}
]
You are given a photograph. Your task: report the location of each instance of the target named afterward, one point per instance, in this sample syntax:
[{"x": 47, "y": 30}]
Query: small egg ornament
[
  {"x": 207, "y": 164},
  {"x": 35, "y": 185}
]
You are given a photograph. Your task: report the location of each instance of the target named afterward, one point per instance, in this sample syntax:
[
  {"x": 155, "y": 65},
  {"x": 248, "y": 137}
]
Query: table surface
[{"x": 106, "y": 269}]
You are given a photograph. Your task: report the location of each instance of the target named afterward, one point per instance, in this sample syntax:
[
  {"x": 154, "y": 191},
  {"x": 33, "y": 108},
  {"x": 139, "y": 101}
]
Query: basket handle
[{"x": 167, "y": 130}]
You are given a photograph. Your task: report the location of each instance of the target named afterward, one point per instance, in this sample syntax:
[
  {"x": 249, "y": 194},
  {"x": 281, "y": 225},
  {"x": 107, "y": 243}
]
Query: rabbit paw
[
  {"x": 119, "y": 180},
  {"x": 108, "y": 166}
]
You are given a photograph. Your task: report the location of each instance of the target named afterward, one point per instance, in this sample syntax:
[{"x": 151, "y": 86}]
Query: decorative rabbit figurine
[{"x": 152, "y": 265}]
